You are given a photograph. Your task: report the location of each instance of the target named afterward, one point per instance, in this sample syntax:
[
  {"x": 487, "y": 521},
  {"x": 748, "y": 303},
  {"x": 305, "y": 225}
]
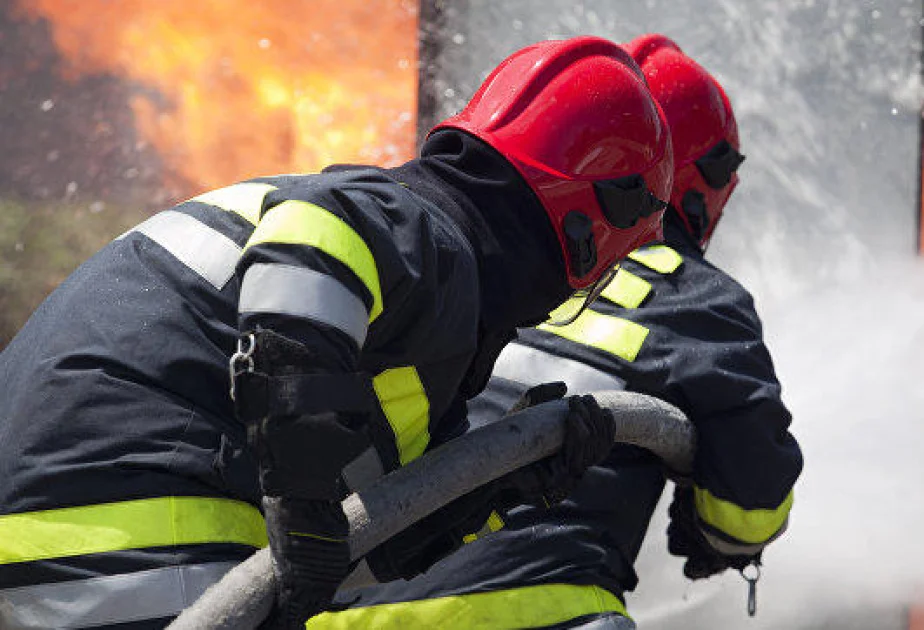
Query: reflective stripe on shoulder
[
  {"x": 626, "y": 289},
  {"x": 614, "y": 335},
  {"x": 530, "y": 366},
  {"x": 405, "y": 403},
  {"x": 109, "y": 600},
  {"x": 524, "y": 607},
  {"x": 245, "y": 199},
  {"x": 660, "y": 258},
  {"x": 754, "y": 527},
  {"x": 208, "y": 252},
  {"x": 302, "y": 223},
  {"x": 305, "y": 293},
  {"x": 159, "y": 522}
]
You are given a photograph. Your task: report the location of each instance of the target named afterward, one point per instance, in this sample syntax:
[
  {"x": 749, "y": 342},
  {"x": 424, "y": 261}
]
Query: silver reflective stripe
[
  {"x": 530, "y": 366},
  {"x": 303, "y": 292},
  {"x": 108, "y": 600},
  {"x": 363, "y": 470},
  {"x": 208, "y": 252},
  {"x": 740, "y": 548}
]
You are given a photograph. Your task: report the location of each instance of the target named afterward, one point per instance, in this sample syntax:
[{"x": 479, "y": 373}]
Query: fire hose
[{"x": 243, "y": 598}]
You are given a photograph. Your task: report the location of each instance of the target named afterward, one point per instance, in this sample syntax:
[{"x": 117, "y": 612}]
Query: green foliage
[{"x": 41, "y": 243}]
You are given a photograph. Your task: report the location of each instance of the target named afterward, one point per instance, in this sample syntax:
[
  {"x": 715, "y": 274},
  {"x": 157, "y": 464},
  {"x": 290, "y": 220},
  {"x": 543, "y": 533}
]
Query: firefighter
[
  {"x": 671, "y": 325},
  {"x": 350, "y": 313}
]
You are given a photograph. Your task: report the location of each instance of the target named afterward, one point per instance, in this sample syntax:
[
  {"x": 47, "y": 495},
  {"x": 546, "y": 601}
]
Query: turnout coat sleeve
[
  {"x": 674, "y": 326},
  {"x": 373, "y": 278},
  {"x": 705, "y": 353}
]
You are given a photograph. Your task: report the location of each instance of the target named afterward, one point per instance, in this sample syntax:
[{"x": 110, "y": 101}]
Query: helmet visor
[{"x": 581, "y": 299}]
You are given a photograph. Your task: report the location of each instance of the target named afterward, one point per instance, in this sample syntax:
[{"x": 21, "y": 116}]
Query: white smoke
[{"x": 851, "y": 359}]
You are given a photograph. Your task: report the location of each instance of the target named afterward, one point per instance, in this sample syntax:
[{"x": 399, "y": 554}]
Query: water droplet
[
  {"x": 517, "y": 25},
  {"x": 47, "y": 104},
  {"x": 403, "y": 64},
  {"x": 458, "y": 38},
  {"x": 875, "y": 14},
  {"x": 895, "y": 111},
  {"x": 264, "y": 43},
  {"x": 70, "y": 189},
  {"x": 96, "y": 207},
  {"x": 19, "y": 247},
  {"x": 449, "y": 93}
]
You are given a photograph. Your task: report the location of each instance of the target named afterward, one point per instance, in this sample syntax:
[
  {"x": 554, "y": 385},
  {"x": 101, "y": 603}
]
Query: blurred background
[{"x": 110, "y": 111}]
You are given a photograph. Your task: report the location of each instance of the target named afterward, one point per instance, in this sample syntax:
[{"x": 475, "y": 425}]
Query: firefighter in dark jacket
[
  {"x": 670, "y": 325},
  {"x": 357, "y": 309}
]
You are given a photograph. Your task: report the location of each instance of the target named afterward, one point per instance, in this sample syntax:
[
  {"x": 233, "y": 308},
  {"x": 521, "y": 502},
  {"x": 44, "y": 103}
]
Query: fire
[{"x": 229, "y": 89}]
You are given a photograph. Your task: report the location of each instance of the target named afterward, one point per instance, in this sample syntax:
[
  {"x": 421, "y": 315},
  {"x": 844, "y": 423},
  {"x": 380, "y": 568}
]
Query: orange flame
[{"x": 228, "y": 89}]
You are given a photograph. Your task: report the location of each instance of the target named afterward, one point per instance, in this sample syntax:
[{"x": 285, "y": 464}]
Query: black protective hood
[
  {"x": 521, "y": 268},
  {"x": 677, "y": 235}
]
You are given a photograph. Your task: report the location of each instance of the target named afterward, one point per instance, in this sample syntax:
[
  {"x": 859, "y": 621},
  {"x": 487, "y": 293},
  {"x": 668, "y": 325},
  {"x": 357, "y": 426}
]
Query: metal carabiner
[{"x": 242, "y": 360}]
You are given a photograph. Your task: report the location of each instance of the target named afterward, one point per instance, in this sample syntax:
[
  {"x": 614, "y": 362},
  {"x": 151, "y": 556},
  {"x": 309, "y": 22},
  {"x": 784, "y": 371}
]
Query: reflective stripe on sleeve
[
  {"x": 626, "y": 289},
  {"x": 660, "y": 258},
  {"x": 614, "y": 335},
  {"x": 525, "y": 607},
  {"x": 305, "y": 293},
  {"x": 109, "y": 600},
  {"x": 159, "y": 522},
  {"x": 753, "y": 527},
  {"x": 405, "y": 403},
  {"x": 530, "y": 366},
  {"x": 245, "y": 199},
  {"x": 206, "y": 251},
  {"x": 302, "y": 223}
]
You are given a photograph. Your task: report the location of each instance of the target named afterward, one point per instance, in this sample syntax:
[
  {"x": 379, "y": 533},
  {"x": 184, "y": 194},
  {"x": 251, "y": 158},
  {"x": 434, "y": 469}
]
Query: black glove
[
  {"x": 311, "y": 557},
  {"x": 685, "y": 539},
  {"x": 538, "y": 394},
  {"x": 434, "y": 537},
  {"x": 589, "y": 436}
]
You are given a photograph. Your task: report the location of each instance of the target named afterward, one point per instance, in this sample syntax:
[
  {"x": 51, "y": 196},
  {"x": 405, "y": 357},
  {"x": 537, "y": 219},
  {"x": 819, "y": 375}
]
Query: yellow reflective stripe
[
  {"x": 302, "y": 223},
  {"x": 494, "y": 524},
  {"x": 611, "y": 334},
  {"x": 749, "y": 526},
  {"x": 660, "y": 258},
  {"x": 405, "y": 403},
  {"x": 245, "y": 199},
  {"x": 626, "y": 289},
  {"x": 525, "y": 607},
  {"x": 160, "y": 522}
]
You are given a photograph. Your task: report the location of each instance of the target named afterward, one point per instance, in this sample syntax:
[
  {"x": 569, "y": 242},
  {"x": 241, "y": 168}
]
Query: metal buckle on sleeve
[{"x": 242, "y": 360}]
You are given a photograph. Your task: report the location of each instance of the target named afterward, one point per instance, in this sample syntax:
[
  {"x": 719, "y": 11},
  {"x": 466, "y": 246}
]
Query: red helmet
[
  {"x": 703, "y": 130},
  {"x": 578, "y": 122}
]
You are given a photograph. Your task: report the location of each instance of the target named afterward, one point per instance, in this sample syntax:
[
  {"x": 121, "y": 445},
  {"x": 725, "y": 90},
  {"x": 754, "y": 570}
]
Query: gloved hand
[
  {"x": 311, "y": 557},
  {"x": 589, "y": 436},
  {"x": 538, "y": 394},
  {"x": 686, "y": 540}
]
